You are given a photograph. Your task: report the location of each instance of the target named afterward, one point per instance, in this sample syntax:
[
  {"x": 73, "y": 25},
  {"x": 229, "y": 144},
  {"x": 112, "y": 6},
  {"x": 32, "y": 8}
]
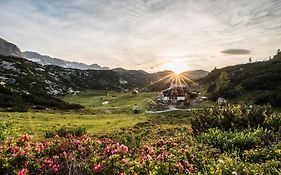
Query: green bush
[
  {"x": 273, "y": 122},
  {"x": 235, "y": 166},
  {"x": 231, "y": 117},
  {"x": 7, "y": 129},
  {"x": 259, "y": 155},
  {"x": 234, "y": 140},
  {"x": 63, "y": 132}
]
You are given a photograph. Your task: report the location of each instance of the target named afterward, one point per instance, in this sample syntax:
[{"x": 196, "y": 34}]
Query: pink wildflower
[
  {"x": 151, "y": 151},
  {"x": 190, "y": 168},
  {"x": 186, "y": 163},
  {"x": 55, "y": 168},
  {"x": 22, "y": 171},
  {"x": 107, "y": 149},
  {"x": 114, "y": 151},
  {"x": 123, "y": 148},
  {"x": 180, "y": 166},
  {"x": 160, "y": 157},
  {"x": 124, "y": 161},
  {"x": 160, "y": 142},
  {"x": 97, "y": 167},
  {"x": 56, "y": 137}
]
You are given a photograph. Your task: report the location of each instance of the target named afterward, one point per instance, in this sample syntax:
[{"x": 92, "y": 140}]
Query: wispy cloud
[
  {"x": 236, "y": 51},
  {"x": 141, "y": 34}
]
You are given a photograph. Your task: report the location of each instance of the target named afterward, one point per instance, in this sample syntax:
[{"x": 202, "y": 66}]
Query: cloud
[{"x": 236, "y": 51}]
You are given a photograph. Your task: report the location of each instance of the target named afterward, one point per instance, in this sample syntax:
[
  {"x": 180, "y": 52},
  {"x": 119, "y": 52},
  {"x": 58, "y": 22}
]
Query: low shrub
[
  {"x": 230, "y": 117},
  {"x": 235, "y": 166},
  {"x": 7, "y": 129},
  {"x": 63, "y": 132},
  {"x": 88, "y": 155},
  {"x": 156, "y": 106},
  {"x": 273, "y": 122},
  {"x": 234, "y": 140},
  {"x": 260, "y": 155}
]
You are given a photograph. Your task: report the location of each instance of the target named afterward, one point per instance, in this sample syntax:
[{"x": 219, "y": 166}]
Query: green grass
[
  {"x": 95, "y": 118},
  {"x": 37, "y": 123},
  {"x": 117, "y": 102}
]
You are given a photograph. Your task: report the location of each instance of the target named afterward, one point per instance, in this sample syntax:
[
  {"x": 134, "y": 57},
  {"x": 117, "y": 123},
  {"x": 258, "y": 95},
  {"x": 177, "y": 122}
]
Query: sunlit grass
[{"x": 37, "y": 123}]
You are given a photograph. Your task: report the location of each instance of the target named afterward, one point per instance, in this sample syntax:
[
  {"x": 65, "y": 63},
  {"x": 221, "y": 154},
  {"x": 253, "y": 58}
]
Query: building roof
[{"x": 173, "y": 86}]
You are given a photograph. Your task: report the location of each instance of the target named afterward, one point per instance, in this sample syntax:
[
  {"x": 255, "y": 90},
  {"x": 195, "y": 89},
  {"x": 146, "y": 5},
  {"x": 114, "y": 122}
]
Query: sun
[{"x": 176, "y": 67}]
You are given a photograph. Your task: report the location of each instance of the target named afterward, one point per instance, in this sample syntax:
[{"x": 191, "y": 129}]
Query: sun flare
[{"x": 176, "y": 67}]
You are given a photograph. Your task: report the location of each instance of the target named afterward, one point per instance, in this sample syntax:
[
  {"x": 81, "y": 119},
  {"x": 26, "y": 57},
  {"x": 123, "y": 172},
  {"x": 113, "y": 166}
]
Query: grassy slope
[
  {"x": 117, "y": 102},
  {"x": 37, "y": 123},
  {"x": 96, "y": 117}
]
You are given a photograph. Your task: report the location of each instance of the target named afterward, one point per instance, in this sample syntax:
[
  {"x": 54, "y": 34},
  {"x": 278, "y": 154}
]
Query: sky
[{"x": 152, "y": 35}]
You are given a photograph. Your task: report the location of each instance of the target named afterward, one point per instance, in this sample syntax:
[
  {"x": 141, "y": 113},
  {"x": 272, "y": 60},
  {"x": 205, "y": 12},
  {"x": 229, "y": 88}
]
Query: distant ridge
[{"x": 47, "y": 60}]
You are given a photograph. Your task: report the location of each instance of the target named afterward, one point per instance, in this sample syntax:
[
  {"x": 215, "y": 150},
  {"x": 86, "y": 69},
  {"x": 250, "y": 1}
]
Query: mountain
[
  {"x": 47, "y": 60},
  {"x": 135, "y": 78},
  {"x": 9, "y": 49},
  {"x": 40, "y": 80},
  {"x": 156, "y": 81},
  {"x": 25, "y": 83},
  {"x": 196, "y": 74},
  {"x": 258, "y": 82}
]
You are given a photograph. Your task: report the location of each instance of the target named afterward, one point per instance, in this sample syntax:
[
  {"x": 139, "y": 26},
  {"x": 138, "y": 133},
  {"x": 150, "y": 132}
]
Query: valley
[{"x": 65, "y": 120}]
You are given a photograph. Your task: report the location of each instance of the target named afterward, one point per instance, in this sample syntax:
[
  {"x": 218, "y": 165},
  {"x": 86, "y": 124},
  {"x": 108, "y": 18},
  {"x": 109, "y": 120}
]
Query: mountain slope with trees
[
  {"x": 25, "y": 83},
  {"x": 258, "y": 82}
]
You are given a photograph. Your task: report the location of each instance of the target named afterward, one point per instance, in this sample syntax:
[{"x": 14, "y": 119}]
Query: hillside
[
  {"x": 196, "y": 74},
  {"x": 258, "y": 82},
  {"x": 25, "y": 83},
  {"x": 158, "y": 80},
  {"x": 39, "y": 80}
]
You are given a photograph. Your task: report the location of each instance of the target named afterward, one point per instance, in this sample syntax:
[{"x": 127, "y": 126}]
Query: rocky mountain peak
[{"x": 9, "y": 49}]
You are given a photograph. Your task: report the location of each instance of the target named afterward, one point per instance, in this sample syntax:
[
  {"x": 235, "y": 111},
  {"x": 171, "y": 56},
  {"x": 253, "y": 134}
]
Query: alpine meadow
[{"x": 140, "y": 87}]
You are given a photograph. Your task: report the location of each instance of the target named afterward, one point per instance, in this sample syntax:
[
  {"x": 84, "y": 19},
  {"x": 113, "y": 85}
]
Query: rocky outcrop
[{"x": 9, "y": 49}]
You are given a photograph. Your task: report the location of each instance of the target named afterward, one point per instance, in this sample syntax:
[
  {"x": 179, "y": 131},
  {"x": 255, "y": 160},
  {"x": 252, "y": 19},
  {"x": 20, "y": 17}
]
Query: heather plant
[
  {"x": 64, "y": 131},
  {"x": 164, "y": 145}
]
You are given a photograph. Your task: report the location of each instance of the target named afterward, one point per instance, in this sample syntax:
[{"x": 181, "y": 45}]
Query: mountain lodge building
[{"x": 175, "y": 93}]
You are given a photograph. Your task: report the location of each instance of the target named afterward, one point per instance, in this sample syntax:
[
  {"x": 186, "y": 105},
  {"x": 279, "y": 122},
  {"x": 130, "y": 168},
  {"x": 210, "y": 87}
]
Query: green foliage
[
  {"x": 260, "y": 155},
  {"x": 273, "y": 122},
  {"x": 234, "y": 140},
  {"x": 155, "y": 106},
  {"x": 260, "y": 79},
  {"x": 233, "y": 117},
  {"x": 7, "y": 129},
  {"x": 63, "y": 132},
  {"x": 272, "y": 97},
  {"x": 30, "y": 85},
  {"x": 235, "y": 166}
]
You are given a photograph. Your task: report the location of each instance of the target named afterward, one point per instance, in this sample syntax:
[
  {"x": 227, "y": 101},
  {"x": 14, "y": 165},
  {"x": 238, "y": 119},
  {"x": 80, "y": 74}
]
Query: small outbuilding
[{"x": 135, "y": 92}]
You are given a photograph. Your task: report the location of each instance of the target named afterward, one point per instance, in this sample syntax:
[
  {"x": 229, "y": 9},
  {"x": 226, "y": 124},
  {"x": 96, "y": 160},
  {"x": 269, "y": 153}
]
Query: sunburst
[{"x": 174, "y": 78}]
